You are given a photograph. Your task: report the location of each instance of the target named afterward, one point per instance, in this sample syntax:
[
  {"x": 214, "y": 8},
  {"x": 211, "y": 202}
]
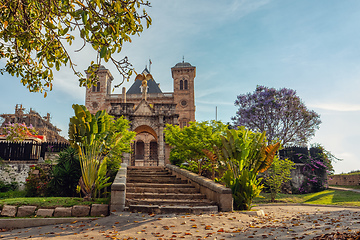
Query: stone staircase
[{"x": 155, "y": 190}]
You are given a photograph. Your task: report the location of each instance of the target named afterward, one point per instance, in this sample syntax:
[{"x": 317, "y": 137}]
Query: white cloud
[{"x": 341, "y": 107}]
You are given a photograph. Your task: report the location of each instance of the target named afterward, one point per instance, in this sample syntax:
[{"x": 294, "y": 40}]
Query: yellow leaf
[{"x": 5, "y": 24}]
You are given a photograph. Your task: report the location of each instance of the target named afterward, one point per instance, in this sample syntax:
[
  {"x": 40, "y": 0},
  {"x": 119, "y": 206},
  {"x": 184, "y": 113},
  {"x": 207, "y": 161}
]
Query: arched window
[
  {"x": 183, "y": 123},
  {"x": 96, "y": 88},
  {"x": 181, "y": 85},
  {"x": 185, "y": 84}
]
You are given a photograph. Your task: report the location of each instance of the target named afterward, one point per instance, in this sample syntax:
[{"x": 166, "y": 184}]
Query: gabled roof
[{"x": 153, "y": 87}]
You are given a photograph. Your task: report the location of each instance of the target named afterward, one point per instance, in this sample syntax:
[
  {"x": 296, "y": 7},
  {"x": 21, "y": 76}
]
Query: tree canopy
[
  {"x": 279, "y": 112},
  {"x": 189, "y": 142},
  {"x": 35, "y": 36}
]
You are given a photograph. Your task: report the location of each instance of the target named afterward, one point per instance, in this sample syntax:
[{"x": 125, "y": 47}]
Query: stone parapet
[
  {"x": 344, "y": 180},
  {"x": 75, "y": 211},
  {"x": 213, "y": 191},
  {"x": 118, "y": 190}
]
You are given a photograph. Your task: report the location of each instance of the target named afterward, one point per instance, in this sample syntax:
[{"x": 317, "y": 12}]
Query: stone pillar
[
  {"x": 124, "y": 94},
  {"x": 161, "y": 144},
  {"x": 146, "y": 153}
]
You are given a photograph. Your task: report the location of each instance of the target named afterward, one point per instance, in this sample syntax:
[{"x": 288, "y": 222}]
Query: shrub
[
  {"x": 36, "y": 184},
  {"x": 66, "y": 174},
  {"x": 5, "y": 187}
]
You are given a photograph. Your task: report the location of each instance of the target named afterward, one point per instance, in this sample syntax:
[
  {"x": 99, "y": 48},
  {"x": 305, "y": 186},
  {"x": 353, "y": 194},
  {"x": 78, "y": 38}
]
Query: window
[
  {"x": 183, "y": 123},
  {"x": 96, "y": 88},
  {"x": 181, "y": 84},
  {"x": 185, "y": 84}
]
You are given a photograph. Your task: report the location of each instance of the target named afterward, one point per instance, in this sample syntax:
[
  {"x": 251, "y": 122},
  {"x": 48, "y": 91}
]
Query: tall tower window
[
  {"x": 185, "y": 84},
  {"x": 181, "y": 85},
  {"x": 96, "y": 88}
]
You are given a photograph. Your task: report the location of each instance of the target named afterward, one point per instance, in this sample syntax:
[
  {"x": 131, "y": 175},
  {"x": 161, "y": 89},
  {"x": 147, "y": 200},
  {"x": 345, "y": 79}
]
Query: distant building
[
  {"x": 148, "y": 109},
  {"x": 41, "y": 124}
]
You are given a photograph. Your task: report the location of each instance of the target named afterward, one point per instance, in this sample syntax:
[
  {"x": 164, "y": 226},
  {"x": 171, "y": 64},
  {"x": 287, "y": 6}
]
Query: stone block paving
[{"x": 277, "y": 222}]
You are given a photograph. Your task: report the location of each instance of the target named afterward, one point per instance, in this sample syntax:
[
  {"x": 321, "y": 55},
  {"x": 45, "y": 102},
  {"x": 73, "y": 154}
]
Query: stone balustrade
[{"x": 213, "y": 191}]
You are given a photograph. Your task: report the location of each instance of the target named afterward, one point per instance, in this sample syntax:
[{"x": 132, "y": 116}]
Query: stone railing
[
  {"x": 118, "y": 190},
  {"x": 213, "y": 191}
]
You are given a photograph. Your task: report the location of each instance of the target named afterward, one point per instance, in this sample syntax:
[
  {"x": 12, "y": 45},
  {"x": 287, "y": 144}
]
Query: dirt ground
[{"x": 279, "y": 222}]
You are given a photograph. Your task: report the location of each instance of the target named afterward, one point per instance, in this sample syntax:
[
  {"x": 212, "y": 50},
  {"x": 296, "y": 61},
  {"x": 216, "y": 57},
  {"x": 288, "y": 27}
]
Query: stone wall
[
  {"x": 297, "y": 178},
  {"x": 15, "y": 172},
  {"x": 344, "y": 180}
]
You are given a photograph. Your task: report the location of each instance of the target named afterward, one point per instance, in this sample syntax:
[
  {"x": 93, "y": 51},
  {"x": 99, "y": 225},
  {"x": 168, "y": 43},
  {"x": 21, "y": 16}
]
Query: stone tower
[
  {"x": 96, "y": 96},
  {"x": 184, "y": 74}
]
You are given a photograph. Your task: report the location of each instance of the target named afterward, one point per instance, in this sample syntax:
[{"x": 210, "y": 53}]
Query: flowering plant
[
  {"x": 18, "y": 132},
  {"x": 36, "y": 184},
  {"x": 315, "y": 170}
]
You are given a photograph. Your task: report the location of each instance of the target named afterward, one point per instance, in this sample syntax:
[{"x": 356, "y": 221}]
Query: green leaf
[{"x": 103, "y": 52}]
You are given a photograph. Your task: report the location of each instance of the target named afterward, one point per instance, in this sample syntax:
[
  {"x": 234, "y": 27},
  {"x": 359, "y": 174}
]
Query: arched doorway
[{"x": 145, "y": 150}]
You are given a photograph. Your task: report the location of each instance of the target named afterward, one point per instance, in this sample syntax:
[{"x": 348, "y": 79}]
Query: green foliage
[
  {"x": 36, "y": 34},
  {"x": 245, "y": 154},
  {"x": 100, "y": 142},
  {"x": 278, "y": 174},
  {"x": 65, "y": 174},
  {"x": 6, "y": 187},
  {"x": 188, "y": 143}
]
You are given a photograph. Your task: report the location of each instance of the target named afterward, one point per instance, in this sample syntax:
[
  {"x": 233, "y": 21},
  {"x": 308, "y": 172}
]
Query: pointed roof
[{"x": 153, "y": 87}]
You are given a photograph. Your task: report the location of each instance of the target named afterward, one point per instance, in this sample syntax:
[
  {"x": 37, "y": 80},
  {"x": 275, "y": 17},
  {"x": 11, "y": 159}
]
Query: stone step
[
  {"x": 169, "y": 202},
  {"x": 156, "y": 180},
  {"x": 151, "y": 176},
  {"x": 159, "y": 185},
  {"x": 163, "y": 196},
  {"x": 154, "y": 189},
  {"x": 165, "y": 209},
  {"x": 146, "y": 169},
  {"x": 185, "y": 190},
  {"x": 149, "y": 173}
]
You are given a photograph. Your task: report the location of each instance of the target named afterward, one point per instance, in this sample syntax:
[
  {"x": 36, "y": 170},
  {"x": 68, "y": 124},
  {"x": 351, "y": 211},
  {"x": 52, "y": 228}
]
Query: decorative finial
[{"x": 183, "y": 59}]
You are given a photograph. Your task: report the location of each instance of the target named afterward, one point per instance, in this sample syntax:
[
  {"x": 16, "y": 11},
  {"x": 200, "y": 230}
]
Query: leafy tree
[
  {"x": 278, "y": 174},
  {"x": 280, "y": 113},
  {"x": 36, "y": 35},
  {"x": 246, "y": 154},
  {"x": 188, "y": 143}
]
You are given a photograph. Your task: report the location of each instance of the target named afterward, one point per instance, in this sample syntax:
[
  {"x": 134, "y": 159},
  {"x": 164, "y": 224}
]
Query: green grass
[
  {"x": 12, "y": 194},
  {"x": 50, "y": 202},
  {"x": 346, "y": 186},
  {"x": 327, "y": 197}
]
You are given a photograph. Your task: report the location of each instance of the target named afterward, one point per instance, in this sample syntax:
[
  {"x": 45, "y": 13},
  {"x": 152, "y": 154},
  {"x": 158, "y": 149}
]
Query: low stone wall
[
  {"x": 344, "y": 180},
  {"x": 51, "y": 156},
  {"x": 213, "y": 191},
  {"x": 118, "y": 190},
  {"x": 75, "y": 211}
]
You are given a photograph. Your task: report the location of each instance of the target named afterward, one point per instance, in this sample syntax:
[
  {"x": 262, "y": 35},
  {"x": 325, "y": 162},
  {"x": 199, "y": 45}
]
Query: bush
[
  {"x": 36, "y": 184},
  {"x": 5, "y": 187},
  {"x": 66, "y": 174}
]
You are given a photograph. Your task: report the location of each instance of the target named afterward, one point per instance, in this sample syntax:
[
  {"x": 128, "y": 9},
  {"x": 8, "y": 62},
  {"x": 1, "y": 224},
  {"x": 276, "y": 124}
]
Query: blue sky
[{"x": 312, "y": 47}]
